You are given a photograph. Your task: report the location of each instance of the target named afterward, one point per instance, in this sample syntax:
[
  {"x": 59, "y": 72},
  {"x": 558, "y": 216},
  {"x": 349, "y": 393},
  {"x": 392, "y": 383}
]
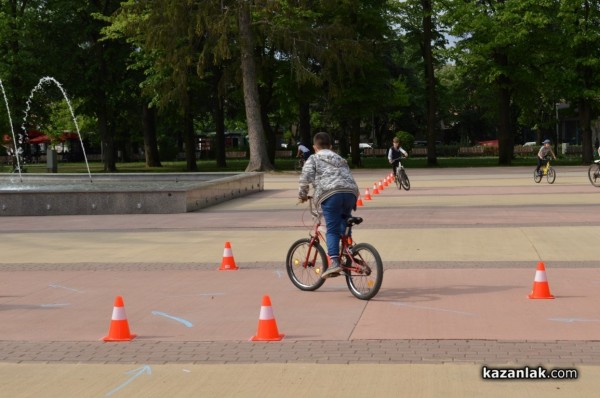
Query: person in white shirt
[{"x": 303, "y": 151}]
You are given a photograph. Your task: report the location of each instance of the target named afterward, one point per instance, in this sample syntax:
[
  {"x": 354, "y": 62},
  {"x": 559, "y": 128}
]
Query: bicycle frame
[
  {"x": 316, "y": 236},
  {"x": 545, "y": 167}
]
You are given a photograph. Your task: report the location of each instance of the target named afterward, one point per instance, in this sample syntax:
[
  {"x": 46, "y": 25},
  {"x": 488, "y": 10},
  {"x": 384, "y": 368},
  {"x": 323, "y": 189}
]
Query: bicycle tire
[
  {"x": 307, "y": 278},
  {"x": 404, "y": 181},
  {"x": 397, "y": 180},
  {"x": 537, "y": 177},
  {"x": 298, "y": 165},
  {"x": 594, "y": 174},
  {"x": 551, "y": 175},
  {"x": 365, "y": 286}
]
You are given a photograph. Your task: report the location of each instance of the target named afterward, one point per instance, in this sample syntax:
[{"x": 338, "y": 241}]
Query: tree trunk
[
  {"x": 219, "y": 116},
  {"x": 505, "y": 134},
  {"x": 108, "y": 143},
  {"x": 354, "y": 141},
  {"x": 259, "y": 160},
  {"x": 304, "y": 123},
  {"x": 189, "y": 135},
  {"x": 270, "y": 134},
  {"x": 429, "y": 83},
  {"x": 586, "y": 130},
  {"x": 150, "y": 144}
]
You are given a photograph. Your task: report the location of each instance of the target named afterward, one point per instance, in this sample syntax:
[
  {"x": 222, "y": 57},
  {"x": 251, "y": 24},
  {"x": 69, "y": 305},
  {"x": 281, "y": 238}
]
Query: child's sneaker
[{"x": 334, "y": 269}]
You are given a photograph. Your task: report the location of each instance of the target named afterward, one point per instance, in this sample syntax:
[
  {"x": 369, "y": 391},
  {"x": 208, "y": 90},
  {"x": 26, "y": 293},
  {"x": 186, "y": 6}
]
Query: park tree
[
  {"x": 62, "y": 39},
  {"x": 505, "y": 42},
  {"x": 355, "y": 68},
  {"x": 580, "y": 23},
  {"x": 418, "y": 20},
  {"x": 20, "y": 60}
]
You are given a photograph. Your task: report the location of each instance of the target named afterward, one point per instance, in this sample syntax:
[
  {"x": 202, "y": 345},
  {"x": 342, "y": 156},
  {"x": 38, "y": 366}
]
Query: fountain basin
[{"x": 127, "y": 193}]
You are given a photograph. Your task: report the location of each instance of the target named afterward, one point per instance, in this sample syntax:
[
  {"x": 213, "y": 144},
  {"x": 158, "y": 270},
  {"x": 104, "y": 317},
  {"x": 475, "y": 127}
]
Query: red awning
[
  {"x": 488, "y": 143},
  {"x": 40, "y": 138}
]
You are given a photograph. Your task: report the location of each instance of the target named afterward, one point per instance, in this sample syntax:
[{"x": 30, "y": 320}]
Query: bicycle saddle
[{"x": 354, "y": 221}]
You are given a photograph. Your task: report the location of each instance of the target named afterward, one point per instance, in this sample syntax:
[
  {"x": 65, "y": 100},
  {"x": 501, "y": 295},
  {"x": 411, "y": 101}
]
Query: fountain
[
  {"x": 134, "y": 193},
  {"x": 64, "y": 94}
]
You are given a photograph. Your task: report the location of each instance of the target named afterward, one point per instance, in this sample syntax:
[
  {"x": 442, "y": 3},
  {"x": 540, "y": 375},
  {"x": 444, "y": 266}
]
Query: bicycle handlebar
[{"x": 393, "y": 160}]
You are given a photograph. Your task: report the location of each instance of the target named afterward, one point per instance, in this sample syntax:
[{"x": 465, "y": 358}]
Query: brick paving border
[
  {"x": 563, "y": 353},
  {"x": 9, "y": 267}
]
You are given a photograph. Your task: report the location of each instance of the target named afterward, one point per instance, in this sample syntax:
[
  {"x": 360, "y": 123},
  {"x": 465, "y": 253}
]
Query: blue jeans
[{"x": 336, "y": 210}]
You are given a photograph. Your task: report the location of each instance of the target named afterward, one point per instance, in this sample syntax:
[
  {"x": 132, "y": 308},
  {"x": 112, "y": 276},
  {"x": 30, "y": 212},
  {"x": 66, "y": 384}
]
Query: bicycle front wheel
[
  {"x": 594, "y": 174},
  {"x": 298, "y": 165},
  {"x": 305, "y": 264},
  {"x": 551, "y": 176},
  {"x": 397, "y": 179},
  {"x": 405, "y": 182},
  {"x": 365, "y": 281},
  {"x": 537, "y": 177}
]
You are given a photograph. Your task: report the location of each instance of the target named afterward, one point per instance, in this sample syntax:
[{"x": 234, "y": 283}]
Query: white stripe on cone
[
  {"x": 119, "y": 314},
  {"x": 266, "y": 313},
  {"x": 540, "y": 276},
  {"x": 227, "y": 253}
]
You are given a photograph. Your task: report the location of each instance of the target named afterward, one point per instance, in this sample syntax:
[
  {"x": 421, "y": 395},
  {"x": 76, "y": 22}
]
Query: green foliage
[
  {"x": 356, "y": 62},
  {"x": 407, "y": 140}
]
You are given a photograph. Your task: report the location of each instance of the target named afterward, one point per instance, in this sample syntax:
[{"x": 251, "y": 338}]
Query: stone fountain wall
[{"x": 112, "y": 193}]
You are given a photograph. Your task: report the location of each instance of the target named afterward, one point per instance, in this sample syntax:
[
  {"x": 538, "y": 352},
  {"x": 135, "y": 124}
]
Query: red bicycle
[{"x": 306, "y": 260}]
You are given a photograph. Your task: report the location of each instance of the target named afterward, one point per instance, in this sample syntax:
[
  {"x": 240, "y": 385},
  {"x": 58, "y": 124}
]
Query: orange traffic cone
[
  {"x": 367, "y": 195},
  {"x": 119, "y": 327},
  {"x": 380, "y": 186},
  {"x": 228, "y": 263},
  {"x": 540, "y": 290},
  {"x": 375, "y": 190},
  {"x": 267, "y": 327},
  {"x": 386, "y": 183},
  {"x": 359, "y": 202}
]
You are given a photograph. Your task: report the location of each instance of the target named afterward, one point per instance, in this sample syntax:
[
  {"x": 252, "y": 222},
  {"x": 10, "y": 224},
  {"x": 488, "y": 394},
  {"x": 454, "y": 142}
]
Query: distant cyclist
[
  {"x": 544, "y": 153},
  {"x": 395, "y": 153},
  {"x": 303, "y": 151}
]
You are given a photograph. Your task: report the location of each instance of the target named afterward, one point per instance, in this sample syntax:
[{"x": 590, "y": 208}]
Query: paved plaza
[{"x": 460, "y": 251}]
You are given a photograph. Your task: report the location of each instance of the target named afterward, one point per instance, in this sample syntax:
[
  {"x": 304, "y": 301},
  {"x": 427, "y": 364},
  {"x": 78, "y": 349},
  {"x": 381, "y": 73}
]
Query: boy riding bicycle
[
  {"x": 543, "y": 153},
  {"x": 303, "y": 151},
  {"x": 395, "y": 153},
  {"x": 334, "y": 190}
]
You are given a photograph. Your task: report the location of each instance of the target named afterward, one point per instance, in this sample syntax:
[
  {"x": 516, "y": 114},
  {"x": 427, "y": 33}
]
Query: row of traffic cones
[
  {"x": 119, "y": 326},
  {"x": 267, "y": 326},
  {"x": 377, "y": 187}
]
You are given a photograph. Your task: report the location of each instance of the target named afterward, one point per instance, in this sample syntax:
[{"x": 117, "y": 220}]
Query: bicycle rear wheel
[
  {"x": 365, "y": 284},
  {"x": 594, "y": 174},
  {"x": 405, "y": 182},
  {"x": 537, "y": 177},
  {"x": 305, "y": 264},
  {"x": 551, "y": 176}
]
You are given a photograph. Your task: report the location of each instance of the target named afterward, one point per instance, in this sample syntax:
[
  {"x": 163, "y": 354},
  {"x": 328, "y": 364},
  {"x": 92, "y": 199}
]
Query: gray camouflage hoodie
[{"x": 329, "y": 173}]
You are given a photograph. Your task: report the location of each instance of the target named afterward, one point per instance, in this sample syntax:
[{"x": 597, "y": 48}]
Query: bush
[{"x": 407, "y": 140}]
